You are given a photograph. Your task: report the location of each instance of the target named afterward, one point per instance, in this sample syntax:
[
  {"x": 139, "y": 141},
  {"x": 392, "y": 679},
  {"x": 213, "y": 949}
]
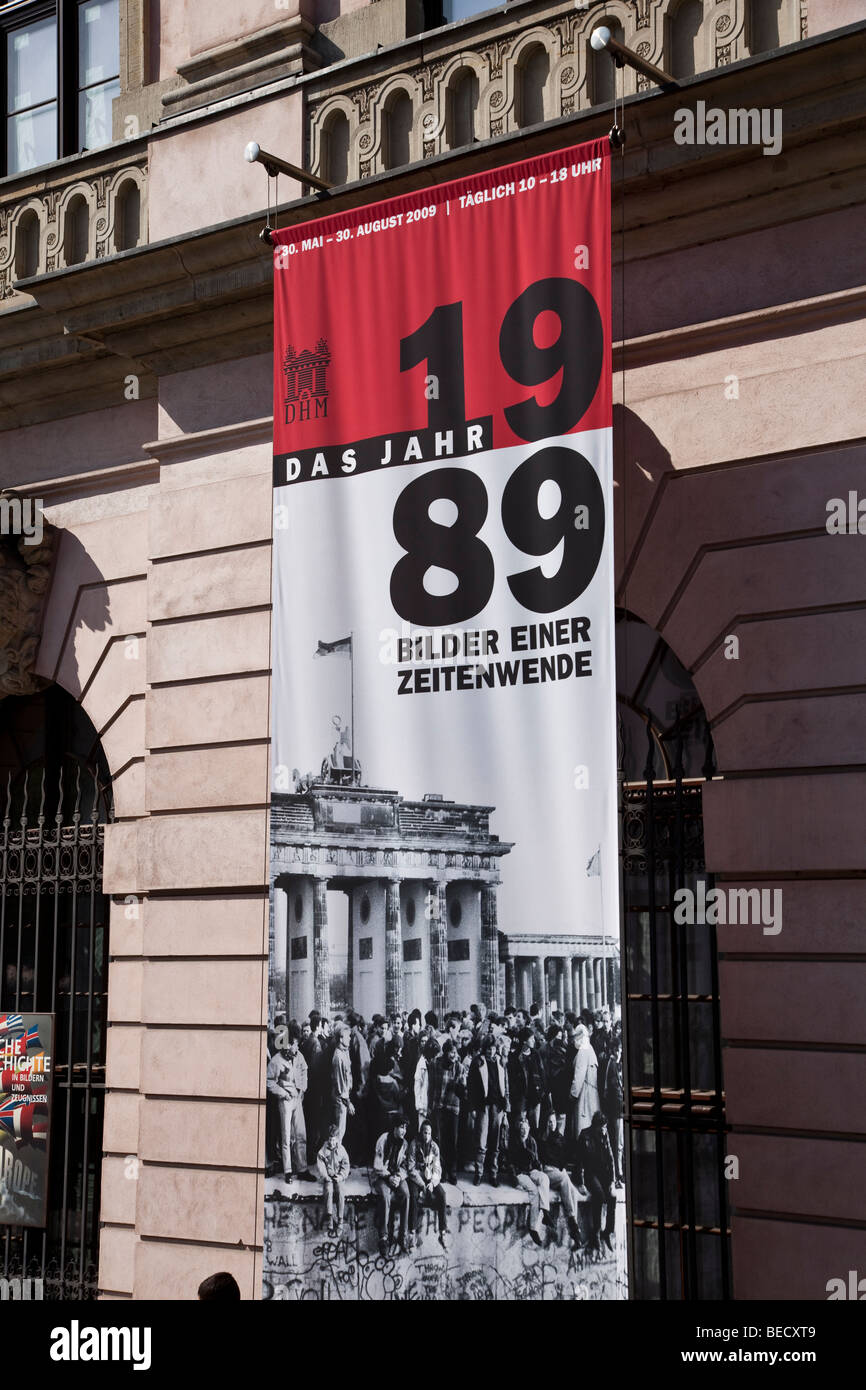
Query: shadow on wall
[
  {"x": 77, "y": 599},
  {"x": 640, "y": 461}
]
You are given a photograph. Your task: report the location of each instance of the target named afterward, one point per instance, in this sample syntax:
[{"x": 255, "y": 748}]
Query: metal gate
[
  {"x": 54, "y": 957},
  {"x": 679, "y": 1235}
]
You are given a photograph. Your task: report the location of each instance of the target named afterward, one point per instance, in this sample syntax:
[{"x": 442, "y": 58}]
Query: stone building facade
[{"x": 135, "y": 400}]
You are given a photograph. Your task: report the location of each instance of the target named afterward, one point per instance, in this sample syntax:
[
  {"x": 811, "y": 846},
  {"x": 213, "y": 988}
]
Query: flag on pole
[
  {"x": 342, "y": 647},
  {"x": 593, "y": 868}
]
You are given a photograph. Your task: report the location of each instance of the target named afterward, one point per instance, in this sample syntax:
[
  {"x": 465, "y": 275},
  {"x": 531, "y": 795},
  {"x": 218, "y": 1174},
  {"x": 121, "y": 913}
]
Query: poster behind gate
[
  {"x": 26, "y": 1059},
  {"x": 444, "y": 1077}
]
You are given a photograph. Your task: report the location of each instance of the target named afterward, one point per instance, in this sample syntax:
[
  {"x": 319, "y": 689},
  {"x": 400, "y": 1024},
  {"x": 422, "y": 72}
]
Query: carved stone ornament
[{"x": 27, "y": 545}]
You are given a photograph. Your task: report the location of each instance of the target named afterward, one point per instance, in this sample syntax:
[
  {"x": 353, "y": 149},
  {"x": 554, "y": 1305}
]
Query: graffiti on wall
[{"x": 490, "y": 1258}]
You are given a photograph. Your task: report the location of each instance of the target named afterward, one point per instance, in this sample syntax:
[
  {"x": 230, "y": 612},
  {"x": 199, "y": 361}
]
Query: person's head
[
  {"x": 534, "y": 1009},
  {"x": 605, "y": 1018},
  {"x": 341, "y": 1035},
  {"x": 293, "y": 1037},
  {"x": 352, "y": 1019},
  {"x": 449, "y": 1051},
  {"x": 431, "y": 1019},
  {"x": 523, "y": 1128},
  {"x": 510, "y": 1016},
  {"x": 394, "y": 1047},
  {"x": 414, "y": 1021},
  {"x": 333, "y": 1136},
  {"x": 581, "y": 1035},
  {"x": 431, "y": 1049},
  {"x": 305, "y": 1028},
  {"x": 598, "y": 1122},
  {"x": 426, "y": 1132},
  {"x": 617, "y": 1048},
  {"x": 551, "y": 1121},
  {"x": 453, "y": 1026},
  {"x": 554, "y": 1032},
  {"x": 487, "y": 1048},
  {"x": 475, "y": 1012},
  {"x": 503, "y": 1045},
  {"x": 526, "y": 1041},
  {"x": 315, "y": 1020},
  {"x": 219, "y": 1288},
  {"x": 326, "y": 1028},
  {"x": 399, "y": 1128}
]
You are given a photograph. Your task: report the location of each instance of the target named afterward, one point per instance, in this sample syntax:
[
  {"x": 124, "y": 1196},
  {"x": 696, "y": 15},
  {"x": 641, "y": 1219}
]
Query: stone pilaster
[
  {"x": 321, "y": 948},
  {"x": 489, "y": 948},
  {"x": 438, "y": 949},
  {"x": 393, "y": 948}
]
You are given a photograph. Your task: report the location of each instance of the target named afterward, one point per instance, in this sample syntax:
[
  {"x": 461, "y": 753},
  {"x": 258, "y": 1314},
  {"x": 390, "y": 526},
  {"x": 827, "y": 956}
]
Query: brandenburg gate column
[
  {"x": 511, "y": 982},
  {"x": 393, "y": 948},
  {"x": 489, "y": 948},
  {"x": 281, "y": 937},
  {"x": 321, "y": 948},
  {"x": 438, "y": 950}
]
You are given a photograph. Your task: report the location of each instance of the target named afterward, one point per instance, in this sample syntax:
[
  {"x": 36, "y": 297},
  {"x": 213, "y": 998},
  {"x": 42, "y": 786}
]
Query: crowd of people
[{"x": 498, "y": 1097}]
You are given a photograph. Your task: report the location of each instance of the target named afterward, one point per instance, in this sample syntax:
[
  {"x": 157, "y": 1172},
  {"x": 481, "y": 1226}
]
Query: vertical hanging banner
[
  {"x": 26, "y": 1053},
  {"x": 444, "y": 1078}
]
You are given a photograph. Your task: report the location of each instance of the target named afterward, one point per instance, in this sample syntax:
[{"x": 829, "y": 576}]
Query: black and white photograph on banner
[{"x": 445, "y": 1075}]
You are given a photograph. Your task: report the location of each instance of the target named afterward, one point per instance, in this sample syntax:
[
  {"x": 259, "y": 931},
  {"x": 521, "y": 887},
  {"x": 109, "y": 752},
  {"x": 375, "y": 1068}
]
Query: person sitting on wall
[
  {"x": 554, "y": 1158},
  {"x": 531, "y": 1177},
  {"x": 594, "y": 1170},
  {"x": 390, "y": 1171},
  {"x": 287, "y": 1081},
  {"x": 425, "y": 1184},
  {"x": 334, "y": 1168}
]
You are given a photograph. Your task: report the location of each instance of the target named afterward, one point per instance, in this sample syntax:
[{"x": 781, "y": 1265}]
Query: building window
[
  {"x": 365, "y": 948},
  {"x": 455, "y": 913},
  {"x": 98, "y": 70},
  {"x": 62, "y": 72},
  {"x": 458, "y": 950},
  {"x": 532, "y": 78},
  {"x": 299, "y": 948},
  {"x": 412, "y": 948},
  {"x": 439, "y": 12},
  {"x": 335, "y": 149},
  {"x": 398, "y": 130},
  {"x": 602, "y": 69},
  {"x": 683, "y": 34},
  {"x": 462, "y": 106}
]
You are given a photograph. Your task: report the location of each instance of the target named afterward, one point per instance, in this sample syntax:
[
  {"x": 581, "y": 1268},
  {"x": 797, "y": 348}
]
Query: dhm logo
[{"x": 306, "y": 383}]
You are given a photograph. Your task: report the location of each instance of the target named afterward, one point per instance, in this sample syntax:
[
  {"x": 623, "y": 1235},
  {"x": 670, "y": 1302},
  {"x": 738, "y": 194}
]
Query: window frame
[{"x": 69, "y": 139}]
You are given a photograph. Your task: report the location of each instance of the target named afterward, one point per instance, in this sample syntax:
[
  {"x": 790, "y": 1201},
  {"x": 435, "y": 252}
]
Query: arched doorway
[
  {"x": 679, "y": 1236},
  {"x": 55, "y": 799}
]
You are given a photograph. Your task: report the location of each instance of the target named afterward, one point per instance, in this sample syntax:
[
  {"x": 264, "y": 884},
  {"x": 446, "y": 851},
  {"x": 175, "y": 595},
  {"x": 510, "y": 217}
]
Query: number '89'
[{"x": 578, "y": 522}]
